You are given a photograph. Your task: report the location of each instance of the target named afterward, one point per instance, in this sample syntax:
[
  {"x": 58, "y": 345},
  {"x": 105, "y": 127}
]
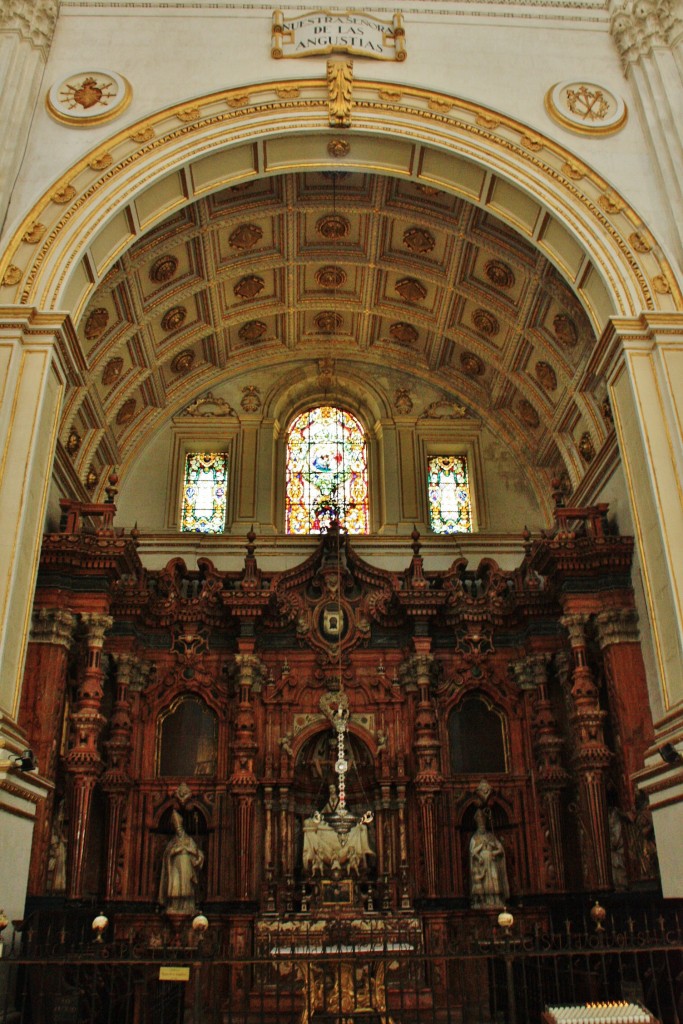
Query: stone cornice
[
  {"x": 639, "y": 25},
  {"x": 34, "y": 20}
]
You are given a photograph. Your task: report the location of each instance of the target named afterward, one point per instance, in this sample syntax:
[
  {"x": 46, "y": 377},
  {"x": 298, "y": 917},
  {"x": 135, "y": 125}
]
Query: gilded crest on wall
[{"x": 89, "y": 97}]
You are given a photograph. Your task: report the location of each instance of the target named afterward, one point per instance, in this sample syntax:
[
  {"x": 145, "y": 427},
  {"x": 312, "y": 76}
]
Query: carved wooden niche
[
  {"x": 476, "y": 733},
  {"x": 187, "y": 739}
]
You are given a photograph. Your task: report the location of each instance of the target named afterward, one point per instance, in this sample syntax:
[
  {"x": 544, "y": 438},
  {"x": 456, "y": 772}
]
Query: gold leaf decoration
[
  {"x": 586, "y": 447},
  {"x": 338, "y": 148},
  {"x": 471, "y": 364},
  {"x": 484, "y": 121},
  {"x": 144, "y": 135},
  {"x": 328, "y": 322},
  {"x": 188, "y": 114},
  {"x": 183, "y": 362},
  {"x": 12, "y": 276},
  {"x": 661, "y": 285},
  {"x": 639, "y": 242},
  {"x": 531, "y": 142},
  {"x": 34, "y": 234},
  {"x": 240, "y": 99},
  {"x": 572, "y": 171},
  {"x": 440, "y": 106},
  {"x": 63, "y": 195},
  {"x": 610, "y": 203},
  {"x": 252, "y": 330},
  {"x": 288, "y": 92},
  {"x": 100, "y": 163}
]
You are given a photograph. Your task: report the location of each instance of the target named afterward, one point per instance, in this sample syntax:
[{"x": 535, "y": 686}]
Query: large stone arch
[{"x": 65, "y": 245}]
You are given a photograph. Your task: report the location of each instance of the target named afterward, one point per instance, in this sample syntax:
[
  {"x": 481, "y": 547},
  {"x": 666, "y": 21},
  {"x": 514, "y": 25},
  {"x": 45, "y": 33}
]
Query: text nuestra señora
[{"x": 320, "y": 32}]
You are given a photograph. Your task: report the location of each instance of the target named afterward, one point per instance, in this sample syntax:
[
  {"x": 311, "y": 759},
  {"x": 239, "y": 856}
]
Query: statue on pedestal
[
  {"x": 488, "y": 875},
  {"x": 180, "y": 867}
]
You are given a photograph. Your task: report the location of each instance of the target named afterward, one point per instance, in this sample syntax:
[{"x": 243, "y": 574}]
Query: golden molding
[{"x": 466, "y": 123}]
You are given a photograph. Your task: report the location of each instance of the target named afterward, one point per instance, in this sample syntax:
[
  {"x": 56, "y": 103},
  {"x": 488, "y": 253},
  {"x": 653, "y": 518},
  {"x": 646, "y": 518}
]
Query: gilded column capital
[
  {"x": 617, "y": 626},
  {"x": 52, "y": 626},
  {"x": 34, "y": 20},
  {"x": 639, "y": 25}
]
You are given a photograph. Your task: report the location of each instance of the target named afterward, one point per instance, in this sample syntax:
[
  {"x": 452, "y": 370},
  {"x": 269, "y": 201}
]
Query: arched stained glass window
[
  {"x": 204, "y": 493},
  {"x": 450, "y": 505},
  {"x": 326, "y": 472}
]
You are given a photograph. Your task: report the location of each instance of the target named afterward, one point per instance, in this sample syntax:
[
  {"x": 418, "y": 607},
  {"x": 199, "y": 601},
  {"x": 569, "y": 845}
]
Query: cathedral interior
[{"x": 347, "y": 669}]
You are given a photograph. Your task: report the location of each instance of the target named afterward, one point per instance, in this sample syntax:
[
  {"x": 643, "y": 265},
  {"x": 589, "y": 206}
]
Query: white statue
[
  {"x": 181, "y": 864},
  {"x": 488, "y": 874}
]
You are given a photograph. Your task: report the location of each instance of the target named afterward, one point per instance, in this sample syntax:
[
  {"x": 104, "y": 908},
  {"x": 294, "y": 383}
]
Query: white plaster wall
[{"x": 503, "y": 56}]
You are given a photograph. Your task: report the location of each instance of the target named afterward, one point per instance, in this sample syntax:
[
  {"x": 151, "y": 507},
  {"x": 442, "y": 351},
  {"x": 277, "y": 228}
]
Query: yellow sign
[
  {"x": 315, "y": 33},
  {"x": 174, "y": 974}
]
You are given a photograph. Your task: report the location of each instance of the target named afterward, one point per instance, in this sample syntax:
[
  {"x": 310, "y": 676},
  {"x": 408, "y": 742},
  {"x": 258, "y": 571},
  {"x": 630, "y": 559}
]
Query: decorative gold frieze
[
  {"x": 34, "y": 234},
  {"x": 610, "y": 202},
  {"x": 144, "y": 135},
  {"x": 572, "y": 171},
  {"x": 11, "y": 276},
  {"x": 661, "y": 285},
  {"x": 188, "y": 114},
  {"x": 484, "y": 121},
  {"x": 100, "y": 163},
  {"x": 339, "y": 92},
  {"x": 238, "y": 99},
  {"x": 288, "y": 92},
  {"x": 639, "y": 242},
  {"x": 63, "y": 195},
  {"x": 531, "y": 142}
]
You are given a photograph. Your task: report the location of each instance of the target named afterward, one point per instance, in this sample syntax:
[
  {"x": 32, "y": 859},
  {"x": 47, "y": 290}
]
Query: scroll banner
[{"x": 317, "y": 33}]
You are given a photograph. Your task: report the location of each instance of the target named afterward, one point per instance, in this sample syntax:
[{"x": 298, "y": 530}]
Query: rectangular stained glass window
[
  {"x": 450, "y": 505},
  {"x": 204, "y": 493}
]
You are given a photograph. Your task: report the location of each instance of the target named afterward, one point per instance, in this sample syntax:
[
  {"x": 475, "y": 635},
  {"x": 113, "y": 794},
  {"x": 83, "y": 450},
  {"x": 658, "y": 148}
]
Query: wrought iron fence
[{"x": 487, "y": 976}]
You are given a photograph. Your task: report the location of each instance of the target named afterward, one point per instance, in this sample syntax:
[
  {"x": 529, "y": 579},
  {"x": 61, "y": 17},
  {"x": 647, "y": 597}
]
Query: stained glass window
[
  {"x": 326, "y": 472},
  {"x": 450, "y": 506},
  {"x": 204, "y": 493}
]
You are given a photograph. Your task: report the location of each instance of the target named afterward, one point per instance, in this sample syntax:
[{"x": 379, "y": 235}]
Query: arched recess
[{"x": 93, "y": 213}]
